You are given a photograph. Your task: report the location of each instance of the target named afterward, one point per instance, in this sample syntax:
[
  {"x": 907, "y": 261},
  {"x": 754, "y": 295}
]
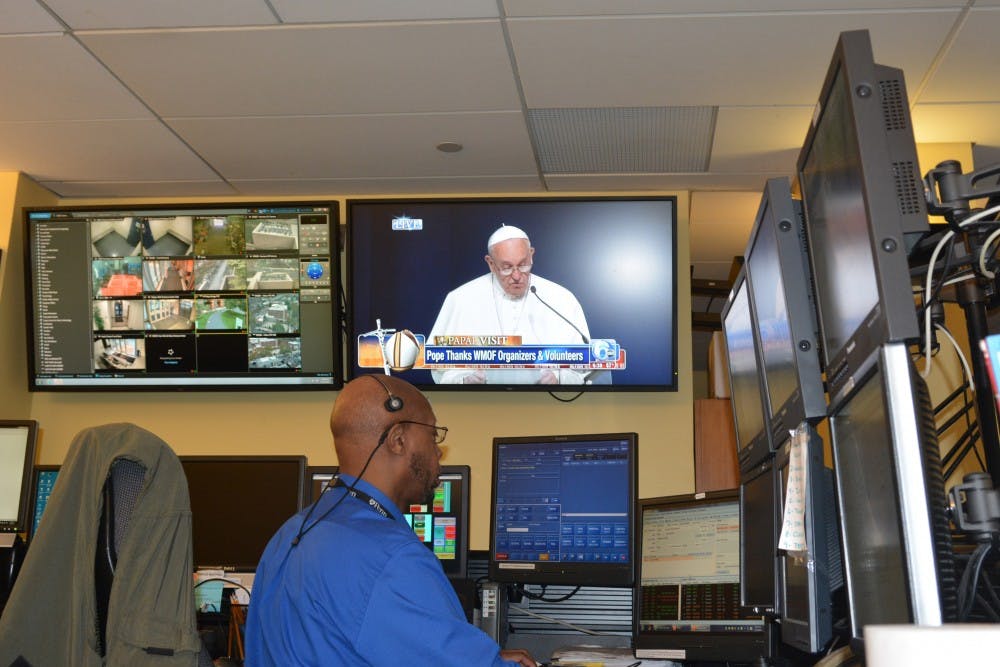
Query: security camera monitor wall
[
  {"x": 515, "y": 294},
  {"x": 206, "y": 296}
]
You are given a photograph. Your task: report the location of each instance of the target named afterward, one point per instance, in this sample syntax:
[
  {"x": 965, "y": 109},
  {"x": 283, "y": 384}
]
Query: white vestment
[{"x": 480, "y": 307}]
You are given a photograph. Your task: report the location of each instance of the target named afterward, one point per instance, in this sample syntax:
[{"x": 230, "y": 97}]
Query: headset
[{"x": 392, "y": 403}]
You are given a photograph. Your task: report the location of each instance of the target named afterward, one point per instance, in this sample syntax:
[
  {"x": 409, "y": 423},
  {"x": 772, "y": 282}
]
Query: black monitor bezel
[
  {"x": 27, "y": 488},
  {"x": 758, "y": 447},
  {"x": 892, "y": 368},
  {"x": 710, "y": 646},
  {"x": 610, "y": 575},
  {"x": 824, "y": 566},
  {"x": 893, "y": 196},
  {"x": 337, "y": 379},
  {"x": 300, "y": 460},
  {"x": 351, "y": 329},
  {"x": 780, "y": 218},
  {"x": 37, "y": 470},
  {"x": 760, "y": 564}
]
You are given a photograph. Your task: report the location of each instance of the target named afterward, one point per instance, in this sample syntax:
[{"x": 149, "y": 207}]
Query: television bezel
[
  {"x": 27, "y": 470},
  {"x": 780, "y": 218},
  {"x": 758, "y": 446},
  {"x": 610, "y": 575},
  {"x": 893, "y": 194},
  {"x": 36, "y": 472},
  {"x": 698, "y": 645},
  {"x": 351, "y": 331},
  {"x": 183, "y": 384},
  {"x": 299, "y": 459}
]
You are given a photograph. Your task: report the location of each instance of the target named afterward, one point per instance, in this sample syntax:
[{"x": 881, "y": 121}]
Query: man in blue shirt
[{"x": 346, "y": 581}]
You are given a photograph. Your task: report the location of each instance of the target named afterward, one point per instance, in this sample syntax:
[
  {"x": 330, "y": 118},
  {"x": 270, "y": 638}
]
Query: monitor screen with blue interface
[
  {"x": 45, "y": 481},
  {"x": 563, "y": 509},
  {"x": 686, "y": 604}
]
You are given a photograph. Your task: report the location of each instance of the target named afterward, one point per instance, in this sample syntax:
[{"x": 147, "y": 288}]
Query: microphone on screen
[{"x": 533, "y": 290}]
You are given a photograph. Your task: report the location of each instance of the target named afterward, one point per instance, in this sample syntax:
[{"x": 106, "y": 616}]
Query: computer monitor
[
  {"x": 43, "y": 482},
  {"x": 318, "y": 480},
  {"x": 777, "y": 266},
  {"x": 183, "y": 297},
  {"x": 563, "y": 509},
  {"x": 738, "y": 324},
  {"x": 864, "y": 208},
  {"x": 686, "y": 603},
  {"x": 17, "y": 456},
  {"x": 759, "y": 525},
  {"x": 809, "y": 578},
  {"x": 443, "y": 523},
  {"x": 238, "y": 503},
  {"x": 898, "y": 555}
]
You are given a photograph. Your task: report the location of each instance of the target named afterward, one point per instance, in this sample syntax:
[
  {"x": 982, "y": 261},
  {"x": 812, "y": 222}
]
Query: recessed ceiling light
[{"x": 449, "y": 146}]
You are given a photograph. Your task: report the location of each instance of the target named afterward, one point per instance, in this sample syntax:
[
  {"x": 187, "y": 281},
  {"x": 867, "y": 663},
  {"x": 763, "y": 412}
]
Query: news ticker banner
[{"x": 498, "y": 352}]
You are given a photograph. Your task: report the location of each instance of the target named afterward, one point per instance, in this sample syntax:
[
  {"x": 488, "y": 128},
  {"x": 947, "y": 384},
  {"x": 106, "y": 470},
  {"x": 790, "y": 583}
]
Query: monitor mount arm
[{"x": 948, "y": 191}]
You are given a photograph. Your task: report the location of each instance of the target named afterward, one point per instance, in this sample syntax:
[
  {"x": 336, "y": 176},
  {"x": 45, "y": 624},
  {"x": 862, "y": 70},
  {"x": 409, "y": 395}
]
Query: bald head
[{"x": 360, "y": 416}]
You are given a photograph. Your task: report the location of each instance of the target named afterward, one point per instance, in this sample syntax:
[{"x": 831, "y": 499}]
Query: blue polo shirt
[{"x": 358, "y": 589}]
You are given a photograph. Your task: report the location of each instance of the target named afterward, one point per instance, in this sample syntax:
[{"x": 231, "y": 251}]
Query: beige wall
[{"x": 296, "y": 422}]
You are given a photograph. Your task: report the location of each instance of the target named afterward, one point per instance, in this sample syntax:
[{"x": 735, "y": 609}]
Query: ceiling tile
[
  {"x": 299, "y": 11},
  {"x": 765, "y": 139},
  {"x": 622, "y": 140},
  {"x": 56, "y": 79},
  {"x": 388, "y": 68},
  {"x": 356, "y": 146},
  {"x": 20, "y": 16},
  {"x": 625, "y": 7},
  {"x": 105, "y": 14},
  {"x": 754, "y": 60},
  {"x": 657, "y": 182},
  {"x": 140, "y": 150},
  {"x": 156, "y": 189},
  {"x": 352, "y": 187},
  {"x": 970, "y": 70}
]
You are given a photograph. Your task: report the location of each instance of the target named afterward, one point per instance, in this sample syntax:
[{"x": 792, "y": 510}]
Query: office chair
[{"x": 109, "y": 570}]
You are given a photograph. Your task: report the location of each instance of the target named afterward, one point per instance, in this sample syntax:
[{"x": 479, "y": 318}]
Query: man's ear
[{"x": 394, "y": 441}]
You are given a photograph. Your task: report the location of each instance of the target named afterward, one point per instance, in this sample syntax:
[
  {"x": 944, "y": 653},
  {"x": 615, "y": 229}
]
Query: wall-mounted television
[
  {"x": 563, "y": 509},
  {"x": 172, "y": 297},
  {"x": 864, "y": 209},
  {"x": 586, "y": 302}
]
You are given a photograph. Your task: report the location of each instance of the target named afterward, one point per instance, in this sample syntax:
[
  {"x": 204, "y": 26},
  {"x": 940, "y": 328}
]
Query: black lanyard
[{"x": 373, "y": 504}]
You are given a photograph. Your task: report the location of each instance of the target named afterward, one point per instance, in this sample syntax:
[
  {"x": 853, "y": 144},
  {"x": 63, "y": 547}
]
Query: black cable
[
  {"x": 565, "y": 400},
  {"x": 541, "y": 597}
]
